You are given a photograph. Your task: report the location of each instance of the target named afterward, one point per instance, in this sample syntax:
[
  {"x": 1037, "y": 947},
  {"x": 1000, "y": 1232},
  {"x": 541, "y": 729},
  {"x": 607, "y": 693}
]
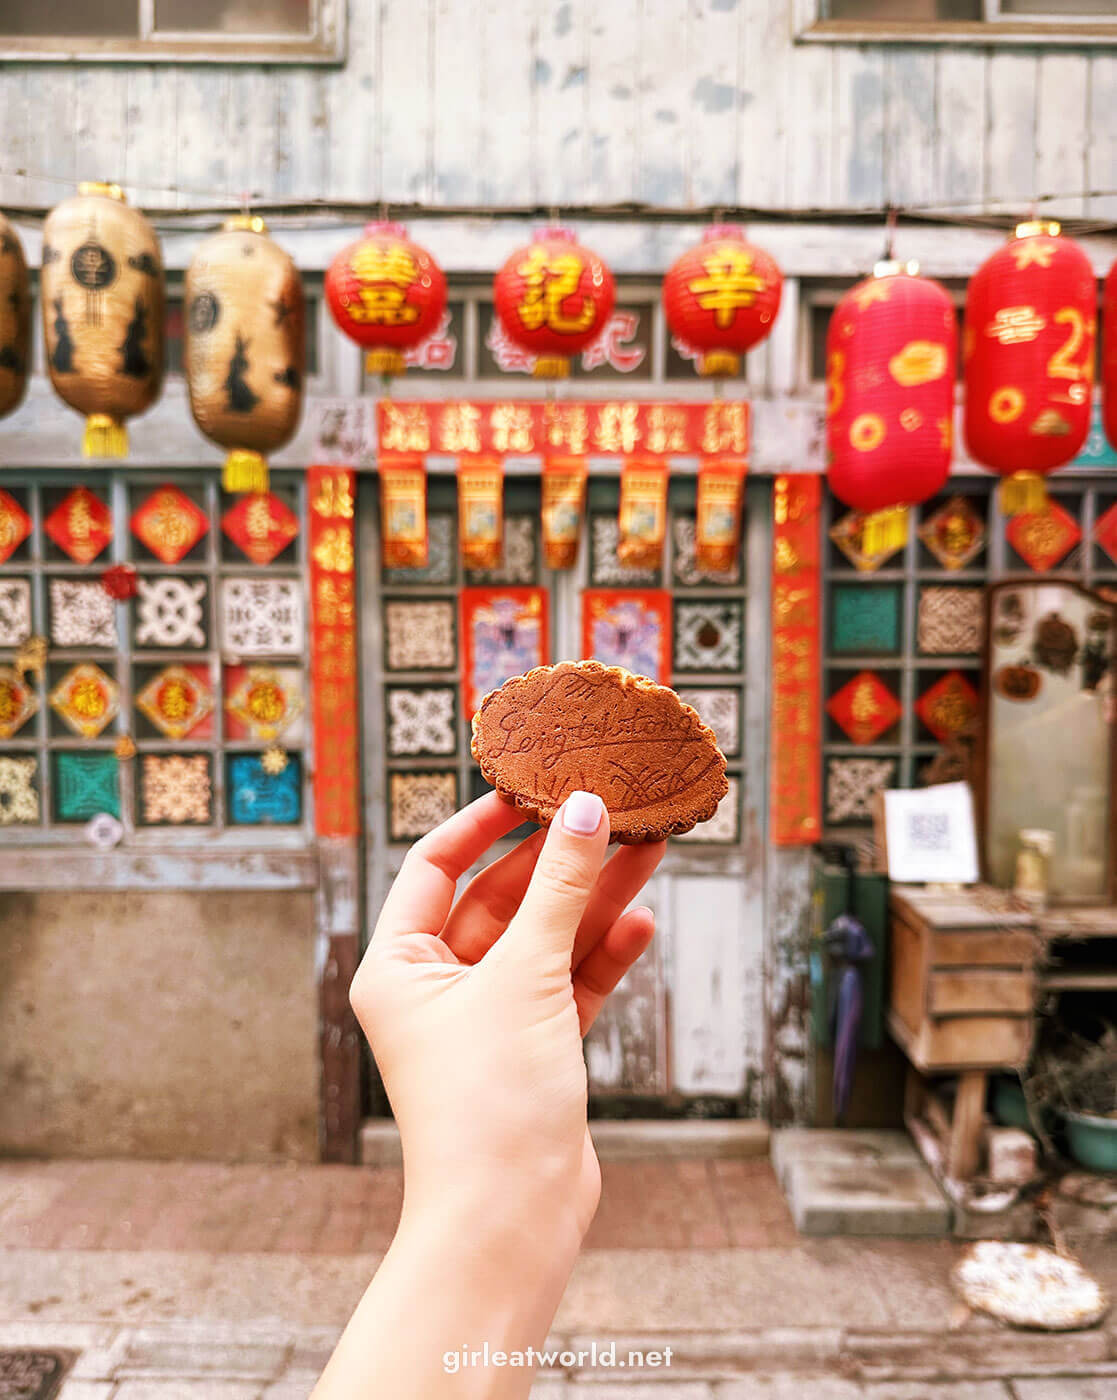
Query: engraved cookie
[{"x": 584, "y": 726}]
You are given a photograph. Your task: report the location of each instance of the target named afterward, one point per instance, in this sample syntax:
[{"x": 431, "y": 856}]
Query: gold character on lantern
[
  {"x": 730, "y": 283},
  {"x": 386, "y": 275},
  {"x": 1015, "y": 325},
  {"x": 550, "y": 279}
]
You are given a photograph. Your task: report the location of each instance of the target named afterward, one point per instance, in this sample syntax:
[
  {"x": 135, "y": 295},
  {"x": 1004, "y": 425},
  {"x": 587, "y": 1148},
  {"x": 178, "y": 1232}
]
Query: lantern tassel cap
[
  {"x": 1023, "y": 493},
  {"x": 104, "y": 437},
  {"x": 723, "y": 363},
  {"x": 884, "y": 531},
  {"x": 552, "y": 367},
  {"x": 1051, "y": 228},
  {"x": 245, "y": 471},
  {"x": 385, "y": 360}
]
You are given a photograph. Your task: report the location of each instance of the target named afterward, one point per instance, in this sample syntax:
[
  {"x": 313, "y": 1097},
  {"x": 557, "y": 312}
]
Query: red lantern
[
  {"x": 1109, "y": 355},
  {"x": 890, "y": 357},
  {"x": 1031, "y": 317},
  {"x": 387, "y": 294},
  {"x": 722, "y": 298},
  {"x": 554, "y": 298}
]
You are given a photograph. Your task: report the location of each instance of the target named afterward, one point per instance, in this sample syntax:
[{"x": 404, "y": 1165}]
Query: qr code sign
[{"x": 929, "y": 831}]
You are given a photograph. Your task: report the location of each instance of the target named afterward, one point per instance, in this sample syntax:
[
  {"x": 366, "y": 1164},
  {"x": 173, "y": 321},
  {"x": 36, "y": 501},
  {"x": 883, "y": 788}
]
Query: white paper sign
[{"x": 931, "y": 835}]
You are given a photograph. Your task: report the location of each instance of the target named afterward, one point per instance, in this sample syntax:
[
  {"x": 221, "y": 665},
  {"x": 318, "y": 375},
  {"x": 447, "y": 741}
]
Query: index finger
[{"x": 423, "y": 891}]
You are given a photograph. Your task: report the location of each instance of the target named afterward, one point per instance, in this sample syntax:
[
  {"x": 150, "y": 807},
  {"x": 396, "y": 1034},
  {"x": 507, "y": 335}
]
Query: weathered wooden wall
[{"x": 664, "y": 102}]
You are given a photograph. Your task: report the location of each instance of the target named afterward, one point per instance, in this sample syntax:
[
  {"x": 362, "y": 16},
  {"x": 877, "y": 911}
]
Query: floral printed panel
[
  {"x": 605, "y": 564},
  {"x": 262, "y": 617},
  {"x": 420, "y": 635},
  {"x": 441, "y": 553},
  {"x": 418, "y": 802},
  {"x": 719, "y": 708},
  {"x": 170, "y": 612},
  {"x": 685, "y": 568},
  {"x": 518, "y": 560},
  {"x": 15, "y": 611},
  {"x": 175, "y": 789},
  {"x": 85, "y": 784},
  {"x": 629, "y": 628},
  {"x": 19, "y": 798},
  {"x": 505, "y": 634},
  {"x": 951, "y": 621},
  {"x": 81, "y": 614},
  {"x": 264, "y": 703},
  {"x": 259, "y": 798},
  {"x": 421, "y": 720},
  {"x": 852, "y": 783},
  {"x": 724, "y": 827},
  {"x": 709, "y": 635}
]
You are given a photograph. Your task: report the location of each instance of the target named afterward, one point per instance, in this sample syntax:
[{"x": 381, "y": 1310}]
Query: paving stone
[
  {"x": 1096, "y": 1388},
  {"x": 787, "y": 1387},
  {"x": 639, "y": 1390},
  {"x": 975, "y": 1354},
  {"x": 921, "y": 1390},
  {"x": 213, "y": 1389},
  {"x": 847, "y": 1146},
  {"x": 86, "y": 1390},
  {"x": 866, "y": 1198},
  {"x": 707, "y": 1355},
  {"x": 171, "y": 1357},
  {"x": 295, "y": 1384}
]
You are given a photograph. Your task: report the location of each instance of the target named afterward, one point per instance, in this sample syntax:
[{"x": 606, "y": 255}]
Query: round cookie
[{"x": 580, "y": 725}]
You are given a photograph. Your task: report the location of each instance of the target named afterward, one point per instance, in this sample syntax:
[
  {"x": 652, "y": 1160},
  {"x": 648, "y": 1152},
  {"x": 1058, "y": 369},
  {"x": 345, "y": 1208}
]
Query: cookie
[{"x": 582, "y": 725}]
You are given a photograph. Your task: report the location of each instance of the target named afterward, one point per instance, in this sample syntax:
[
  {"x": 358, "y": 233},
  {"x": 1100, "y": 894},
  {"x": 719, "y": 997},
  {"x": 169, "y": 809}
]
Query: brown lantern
[
  {"x": 245, "y": 347},
  {"x": 15, "y": 320},
  {"x": 102, "y": 294}
]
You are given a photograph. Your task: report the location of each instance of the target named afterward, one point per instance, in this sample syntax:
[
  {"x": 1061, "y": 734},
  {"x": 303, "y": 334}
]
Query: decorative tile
[
  {"x": 1105, "y": 533},
  {"x": 708, "y": 635},
  {"x": 629, "y": 628},
  {"x": 852, "y": 783},
  {"x": 1043, "y": 537},
  {"x": 865, "y": 619},
  {"x": 19, "y": 798},
  {"x": 848, "y": 535},
  {"x": 18, "y": 702},
  {"x": 86, "y": 699},
  {"x": 420, "y": 636},
  {"x": 169, "y": 524},
  {"x": 86, "y": 784},
  {"x": 260, "y": 798},
  {"x": 441, "y": 552},
  {"x": 719, "y": 708},
  {"x": 518, "y": 560},
  {"x": 260, "y": 525},
  {"x": 951, "y": 621},
  {"x": 262, "y": 617},
  {"x": 421, "y": 719},
  {"x": 955, "y": 533},
  {"x": 684, "y": 567},
  {"x": 15, "y": 526},
  {"x": 724, "y": 827},
  {"x": 169, "y": 613},
  {"x": 264, "y": 702},
  {"x": 505, "y": 633},
  {"x": 605, "y": 565},
  {"x": 864, "y": 708},
  {"x": 949, "y": 707},
  {"x": 176, "y": 700},
  {"x": 81, "y": 614},
  {"x": 80, "y": 525},
  {"x": 418, "y": 802},
  {"x": 175, "y": 789},
  {"x": 15, "y": 611}
]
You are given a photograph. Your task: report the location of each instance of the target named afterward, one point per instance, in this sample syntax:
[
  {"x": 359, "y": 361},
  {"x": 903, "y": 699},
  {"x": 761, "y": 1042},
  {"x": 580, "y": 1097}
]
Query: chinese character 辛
[
  {"x": 729, "y": 284},
  {"x": 618, "y": 427},
  {"x": 459, "y": 428},
  {"x": 550, "y": 281},
  {"x": 385, "y": 275},
  {"x": 511, "y": 427}
]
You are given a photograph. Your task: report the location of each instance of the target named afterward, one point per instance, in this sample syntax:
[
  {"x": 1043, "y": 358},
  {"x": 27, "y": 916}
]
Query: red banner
[
  {"x": 481, "y": 511},
  {"x": 403, "y": 512},
  {"x": 333, "y": 650},
  {"x": 611, "y": 429},
  {"x": 564, "y": 505},
  {"x": 796, "y": 662},
  {"x": 642, "y": 518},
  {"x": 721, "y": 484}
]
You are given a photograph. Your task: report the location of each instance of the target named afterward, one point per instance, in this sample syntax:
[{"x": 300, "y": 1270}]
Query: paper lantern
[
  {"x": 1031, "y": 318},
  {"x": 245, "y": 347},
  {"x": 554, "y": 298},
  {"x": 15, "y": 319},
  {"x": 102, "y": 295},
  {"x": 890, "y": 356},
  {"x": 722, "y": 298},
  {"x": 1109, "y": 355},
  {"x": 387, "y": 294}
]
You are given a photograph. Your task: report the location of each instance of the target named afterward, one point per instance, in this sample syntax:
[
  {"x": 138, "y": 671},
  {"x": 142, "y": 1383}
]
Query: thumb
[{"x": 564, "y": 877}]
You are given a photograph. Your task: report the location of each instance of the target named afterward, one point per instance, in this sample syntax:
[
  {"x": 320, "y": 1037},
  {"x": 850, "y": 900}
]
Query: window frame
[{"x": 810, "y": 25}]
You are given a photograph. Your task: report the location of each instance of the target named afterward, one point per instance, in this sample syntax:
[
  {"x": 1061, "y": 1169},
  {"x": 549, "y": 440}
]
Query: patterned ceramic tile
[
  {"x": 864, "y": 708},
  {"x": 262, "y": 617},
  {"x": 176, "y": 700},
  {"x": 1043, "y": 538},
  {"x": 420, "y": 635},
  {"x": 949, "y": 707},
  {"x": 19, "y": 799},
  {"x": 851, "y": 784},
  {"x": 708, "y": 635},
  {"x": 15, "y": 611},
  {"x": 417, "y": 802},
  {"x": 175, "y": 789},
  {"x": 865, "y": 619},
  {"x": 684, "y": 566},
  {"x": 421, "y": 719},
  {"x": 606, "y": 568},
  {"x": 170, "y": 613},
  {"x": 259, "y": 798},
  {"x": 18, "y": 701},
  {"x": 951, "y": 621},
  {"x": 720, "y": 709},
  {"x": 441, "y": 553},
  {"x": 955, "y": 533},
  {"x": 85, "y": 784},
  {"x": 81, "y": 614},
  {"x": 169, "y": 524},
  {"x": 260, "y": 525},
  {"x": 518, "y": 562},
  {"x": 724, "y": 827},
  {"x": 86, "y": 699},
  {"x": 264, "y": 703}
]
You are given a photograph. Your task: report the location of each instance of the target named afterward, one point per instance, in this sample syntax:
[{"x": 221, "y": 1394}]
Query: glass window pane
[
  {"x": 1068, "y": 9},
  {"x": 914, "y": 11},
  {"x": 234, "y": 16},
  {"x": 94, "y": 19}
]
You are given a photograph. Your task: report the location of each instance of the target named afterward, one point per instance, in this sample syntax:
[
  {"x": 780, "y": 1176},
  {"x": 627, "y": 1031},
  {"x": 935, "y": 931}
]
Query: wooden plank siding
[{"x": 670, "y": 103}]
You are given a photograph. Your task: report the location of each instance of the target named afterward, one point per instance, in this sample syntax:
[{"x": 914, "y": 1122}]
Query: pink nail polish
[{"x": 582, "y": 813}]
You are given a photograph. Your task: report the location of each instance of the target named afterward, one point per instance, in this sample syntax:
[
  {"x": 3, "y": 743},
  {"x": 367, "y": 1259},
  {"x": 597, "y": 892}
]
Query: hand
[{"x": 475, "y": 1012}]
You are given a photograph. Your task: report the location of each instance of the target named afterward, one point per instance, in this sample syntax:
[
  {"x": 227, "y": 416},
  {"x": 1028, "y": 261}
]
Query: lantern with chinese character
[
  {"x": 1029, "y": 355},
  {"x": 890, "y": 357},
  {"x": 722, "y": 298},
  {"x": 387, "y": 294},
  {"x": 245, "y": 347},
  {"x": 553, "y": 299},
  {"x": 15, "y": 319},
  {"x": 1109, "y": 355},
  {"x": 102, "y": 294}
]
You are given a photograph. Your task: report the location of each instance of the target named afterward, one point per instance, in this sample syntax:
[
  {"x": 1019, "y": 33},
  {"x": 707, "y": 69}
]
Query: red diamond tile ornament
[
  {"x": 848, "y": 534},
  {"x": 1043, "y": 537},
  {"x": 169, "y": 524},
  {"x": 80, "y": 525},
  {"x": 949, "y": 707},
  {"x": 954, "y": 534},
  {"x": 1105, "y": 532},
  {"x": 175, "y": 701},
  {"x": 264, "y": 703},
  {"x": 86, "y": 699},
  {"x": 864, "y": 708},
  {"x": 261, "y": 525},
  {"x": 15, "y": 525},
  {"x": 18, "y": 702}
]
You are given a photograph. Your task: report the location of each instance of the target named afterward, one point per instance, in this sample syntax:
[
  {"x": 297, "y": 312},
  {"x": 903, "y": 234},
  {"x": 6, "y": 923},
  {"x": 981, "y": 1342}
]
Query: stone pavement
[{"x": 201, "y": 1282}]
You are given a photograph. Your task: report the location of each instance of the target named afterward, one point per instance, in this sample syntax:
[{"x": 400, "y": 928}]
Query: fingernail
[{"x": 582, "y": 813}]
